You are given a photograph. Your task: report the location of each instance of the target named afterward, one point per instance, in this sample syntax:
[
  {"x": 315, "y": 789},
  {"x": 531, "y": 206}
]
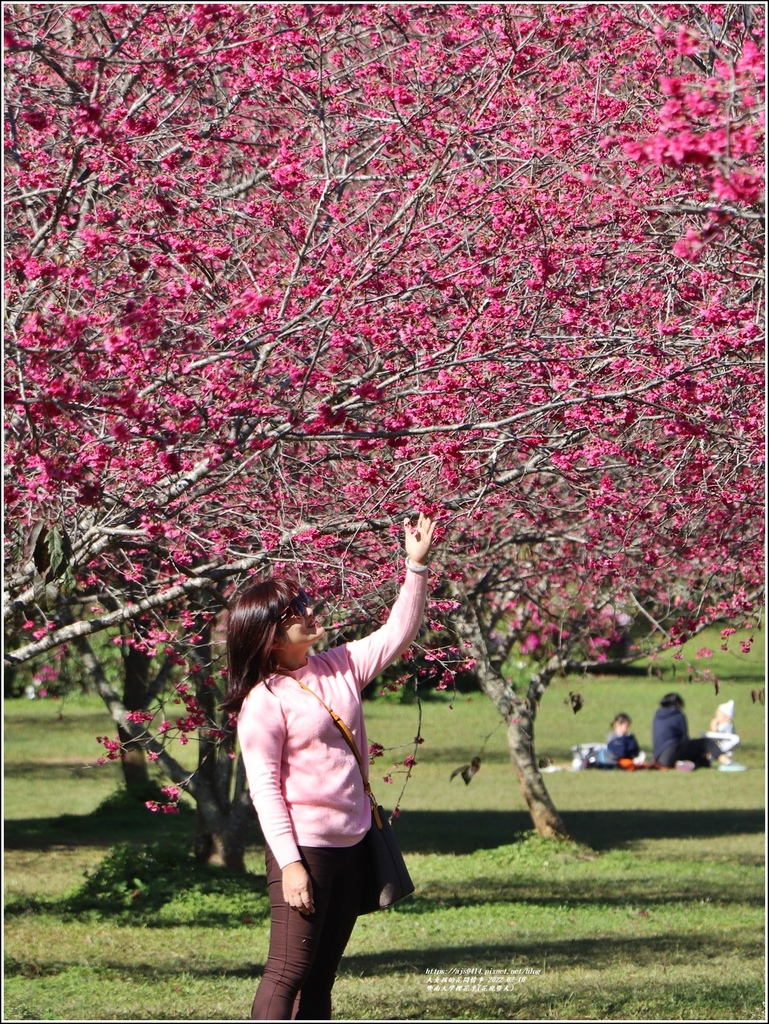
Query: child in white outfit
[{"x": 722, "y": 728}]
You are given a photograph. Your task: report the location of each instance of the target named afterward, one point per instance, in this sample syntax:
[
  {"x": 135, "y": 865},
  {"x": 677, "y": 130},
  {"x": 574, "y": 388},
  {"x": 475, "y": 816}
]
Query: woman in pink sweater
[{"x": 304, "y": 781}]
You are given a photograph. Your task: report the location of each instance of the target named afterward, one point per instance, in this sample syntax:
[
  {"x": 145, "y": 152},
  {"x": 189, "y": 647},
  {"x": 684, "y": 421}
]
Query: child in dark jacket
[
  {"x": 621, "y": 748},
  {"x": 621, "y": 742}
]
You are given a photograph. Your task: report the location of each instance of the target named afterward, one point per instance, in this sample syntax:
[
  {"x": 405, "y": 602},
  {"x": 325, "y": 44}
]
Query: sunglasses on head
[{"x": 298, "y": 606}]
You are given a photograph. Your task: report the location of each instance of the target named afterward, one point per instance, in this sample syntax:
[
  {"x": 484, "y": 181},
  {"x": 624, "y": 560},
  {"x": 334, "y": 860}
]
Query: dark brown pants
[{"x": 305, "y": 950}]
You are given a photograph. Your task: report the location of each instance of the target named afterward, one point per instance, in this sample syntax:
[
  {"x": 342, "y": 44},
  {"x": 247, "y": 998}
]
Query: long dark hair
[{"x": 253, "y": 626}]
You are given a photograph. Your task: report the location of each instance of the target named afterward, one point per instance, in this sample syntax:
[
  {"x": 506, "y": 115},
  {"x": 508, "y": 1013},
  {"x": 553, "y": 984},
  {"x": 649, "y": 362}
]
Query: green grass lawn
[{"x": 656, "y": 913}]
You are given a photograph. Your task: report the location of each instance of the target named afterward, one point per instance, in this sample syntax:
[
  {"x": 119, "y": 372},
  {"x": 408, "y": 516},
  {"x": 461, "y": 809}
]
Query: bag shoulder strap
[{"x": 350, "y": 739}]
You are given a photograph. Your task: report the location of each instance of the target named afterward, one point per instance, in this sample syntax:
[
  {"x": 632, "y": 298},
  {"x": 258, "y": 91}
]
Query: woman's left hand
[{"x": 419, "y": 539}]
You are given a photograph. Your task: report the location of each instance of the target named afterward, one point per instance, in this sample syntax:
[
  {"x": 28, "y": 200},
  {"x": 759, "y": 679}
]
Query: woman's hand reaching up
[{"x": 419, "y": 539}]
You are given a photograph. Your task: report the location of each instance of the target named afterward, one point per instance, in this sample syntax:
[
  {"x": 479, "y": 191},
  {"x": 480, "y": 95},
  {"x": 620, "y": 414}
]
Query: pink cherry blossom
[{"x": 278, "y": 275}]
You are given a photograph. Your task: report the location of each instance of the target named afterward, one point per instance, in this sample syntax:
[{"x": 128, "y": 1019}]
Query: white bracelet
[{"x": 415, "y": 568}]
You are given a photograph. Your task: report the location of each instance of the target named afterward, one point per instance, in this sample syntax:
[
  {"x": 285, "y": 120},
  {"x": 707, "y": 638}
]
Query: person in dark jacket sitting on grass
[
  {"x": 621, "y": 742},
  {"x": 671, "y": 742}
]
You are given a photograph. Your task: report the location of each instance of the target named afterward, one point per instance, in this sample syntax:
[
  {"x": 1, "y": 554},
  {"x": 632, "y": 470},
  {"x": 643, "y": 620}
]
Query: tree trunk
[
  {"x": 224, "y": 807},
  {"x": 221, "y": 829},
  {"x": 222, "y": 842},
  {"x": 136, "y": 666},
  {"x": 222, "y": 824},
  {"x": 520, "y": 740},
  {"x": 132, "y": 757},
  {"x": 519, "y": 716},
  {"x": 222, "y": 818}
]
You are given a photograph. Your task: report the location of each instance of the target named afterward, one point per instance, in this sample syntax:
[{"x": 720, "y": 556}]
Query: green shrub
[{"x": 162, "y": 884}]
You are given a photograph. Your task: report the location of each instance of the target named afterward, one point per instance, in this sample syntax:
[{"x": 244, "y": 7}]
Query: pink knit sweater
[{"x": 304, "y": 780}]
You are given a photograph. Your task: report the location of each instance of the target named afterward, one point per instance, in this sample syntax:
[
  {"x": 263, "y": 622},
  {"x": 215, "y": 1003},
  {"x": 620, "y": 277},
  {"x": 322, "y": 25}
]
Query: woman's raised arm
[{"x": 369, "y": 656}]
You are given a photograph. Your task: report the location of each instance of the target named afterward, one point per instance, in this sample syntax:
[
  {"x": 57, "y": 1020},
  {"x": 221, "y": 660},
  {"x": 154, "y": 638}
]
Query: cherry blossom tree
[{"x": 278, "y": 273}]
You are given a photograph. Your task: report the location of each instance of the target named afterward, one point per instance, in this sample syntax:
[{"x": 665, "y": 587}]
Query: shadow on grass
[
  {"x": 469, "y": 831},
  {"x": 460, "y": 832},
  {"x": 623, "y": 896},
  {"x": 160, "y": 886},
  {"x": 246, "y": 902},
  {"x": 92, "y": 830},
  {"x": 598, "y": 954}
]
